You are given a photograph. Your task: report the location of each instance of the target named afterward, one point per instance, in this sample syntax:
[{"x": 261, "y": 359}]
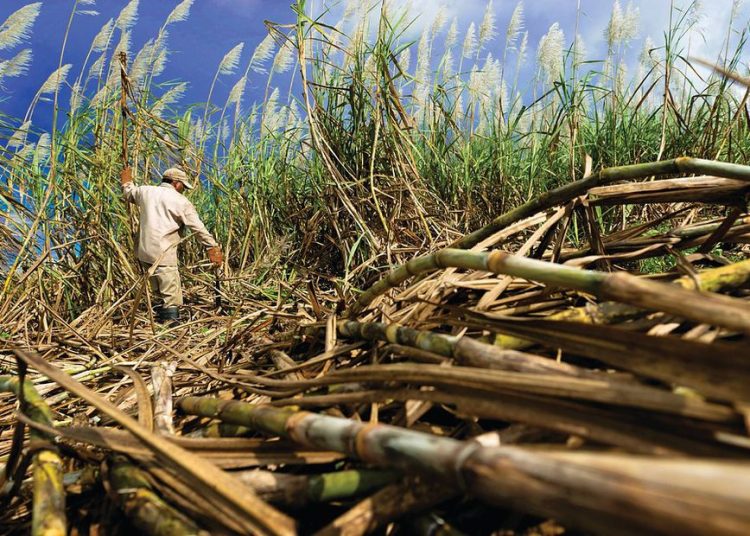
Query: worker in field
[{"x": 164, "y": 214}]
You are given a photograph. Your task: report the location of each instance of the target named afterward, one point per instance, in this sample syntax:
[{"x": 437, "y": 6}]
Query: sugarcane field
[{"x": 390, "y": 267}]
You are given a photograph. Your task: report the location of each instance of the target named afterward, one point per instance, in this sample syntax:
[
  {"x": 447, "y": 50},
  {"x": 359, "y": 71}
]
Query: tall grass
[{"x": 377, "y": 145}]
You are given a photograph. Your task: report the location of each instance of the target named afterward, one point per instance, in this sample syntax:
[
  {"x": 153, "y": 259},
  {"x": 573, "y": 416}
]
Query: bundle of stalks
[
  {"x": 553, "y": 374},
  {"x": 577, "y": 360}
]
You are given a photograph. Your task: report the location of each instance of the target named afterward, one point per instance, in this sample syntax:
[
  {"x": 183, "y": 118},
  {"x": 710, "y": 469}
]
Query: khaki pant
[{"x": 165, "y": 285}]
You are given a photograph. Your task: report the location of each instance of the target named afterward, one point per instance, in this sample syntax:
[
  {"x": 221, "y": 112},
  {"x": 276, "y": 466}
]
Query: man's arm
[
  {"x": 129, "y": 190},
  {"x": 192, "y": 221}
]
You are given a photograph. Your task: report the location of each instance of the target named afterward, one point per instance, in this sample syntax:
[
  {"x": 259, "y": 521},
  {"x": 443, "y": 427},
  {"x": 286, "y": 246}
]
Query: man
[{"x": 164, "y": 213}]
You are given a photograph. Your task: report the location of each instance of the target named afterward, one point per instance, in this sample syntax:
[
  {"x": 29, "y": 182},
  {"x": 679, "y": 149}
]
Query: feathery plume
[
  {"x": 231, "y": 60},
  {"x": 18, "y": 139},
  {"x": 237, "y": 92},
  {"x": 550, "y": 52},
  {"x": 101, "y": 41},
  {"x": 75, "y": 98},
  {"x": 42, "y": 152},
  {"x": 159, "y": 58},
  {"x": 124, "y": 44},
  {"x": 370, "y": 71},
  {"x": 139, "y": 69},
  {"x": 422, "y": 73},
  {"x": 458, "y": 107},
  {"x": 169, "y": 98},
  {"x": 523, "y": 48},
  {"x": 515, "y": 26},
  {"x": 525, "y": 119},
  {"x": 492, "y": 75},
  {"x": 196, "y": 131},
  {"x": 253, "y": 118},
  {"x": 404, "y": 6},
  {"x": 17, "y": 26},
  {"x": 632, "y": 22},
  {"x": 487, "y": 81},
  {"x": 475, "y": 84},
  {"x": 579, "y": 50},
  {"x": 281, "y": 120},
  {"x": 273, "y": 100},
  {"x": 736, "y": 5},
  {"x": 262, "y": 53},
  {"x": 55, "y": 80},
  {"x": 18, "y": 65},
  {"x": 441, "y": 18},
  {"x": 404, "y": 59},
  {"x": 470, "y": 42},
  {"x": 270, "y": 114},
  {"x": 451, "y": 38},
  {"x": 97, "y": 68},
  {"x": 621, "y": 78},
  {"x": 128, "y": 16},
  {"x": 695, "y": 13},
  {"x": 224, "y": 131},
  {"x": 622, "y": 26},
  {"x": 358, "y": 35},
  {"x": 284, "y": 58},
  {"x": 515, "y": 106},
  {"x": 447, "y": 68},
  {"x": 243, "y": 135},
  {"x": 649, "y": 56},
  {"x": 488, "y": 27},
  {"x": 423, "y": 51},
  {"x": 614, "y": 25},
  {"x": 180, "y": 13},
  {"x": 24, "y": 154},
  {"x": 296, "y": 123},
  {"x": 350, "y": 9},
  {"x": 334, "y": 39}
]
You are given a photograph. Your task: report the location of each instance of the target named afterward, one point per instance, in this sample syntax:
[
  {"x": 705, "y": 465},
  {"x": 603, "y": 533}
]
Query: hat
[{"x": 176, "y": 174}]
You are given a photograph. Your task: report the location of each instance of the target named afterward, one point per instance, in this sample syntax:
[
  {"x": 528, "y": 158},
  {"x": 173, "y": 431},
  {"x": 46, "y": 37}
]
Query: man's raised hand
[
  {"x": 126, "y": 175},
  {"x": 216, "y": 256}
]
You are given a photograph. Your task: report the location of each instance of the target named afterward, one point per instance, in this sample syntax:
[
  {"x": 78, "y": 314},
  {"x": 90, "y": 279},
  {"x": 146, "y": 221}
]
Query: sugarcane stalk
[
  {"x": 678, "y": 238},
  {"x": 131, "y": 490},
  {"x": 604, "y": 426},
  {"x": 612, "y": 392},
  {"x": 713, "y": 280},
  {"x": 610, "y": 493},
  {"x": 701, "y": 307},
  {"x": 161, "y": 381},
  {"x": 431, "y": 525},
  {"x": 565, "y": 193},
  {"x": 300, "y": 490},
  {"x": 600, "y": 388},
  {"x": 707, "y": 308},
  {"x": 572, "y": 190},
  {"x": 705, "y": 228},
  {"x": 123, "y": 58},
  {"x": 216, "y": 430},
  {"x": 412, "y": 494},
  {"x": 464, "y": 350},
  {"x": 219, "y": 489},
  {"x": 424, "y": 264},
  {"x": 48, "y": 510}
]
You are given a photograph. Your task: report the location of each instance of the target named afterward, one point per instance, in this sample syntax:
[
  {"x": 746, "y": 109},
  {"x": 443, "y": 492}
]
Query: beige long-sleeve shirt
[{"x": 163, "y": 213}]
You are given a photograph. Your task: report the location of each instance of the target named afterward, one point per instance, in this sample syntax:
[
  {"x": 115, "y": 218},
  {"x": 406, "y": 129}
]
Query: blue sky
[
  {"x": 215, "y": 26},
  {"x": 197, "y": 45}
]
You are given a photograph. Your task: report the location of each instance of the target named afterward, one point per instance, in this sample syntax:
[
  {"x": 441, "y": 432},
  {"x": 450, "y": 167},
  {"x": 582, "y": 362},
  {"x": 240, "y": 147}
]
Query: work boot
[{"x": 168, "y": 315}]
